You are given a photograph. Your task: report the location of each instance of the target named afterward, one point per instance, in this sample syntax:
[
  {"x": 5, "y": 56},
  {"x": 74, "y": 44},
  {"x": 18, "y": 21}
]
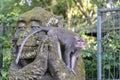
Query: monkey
[{"x": 73, "y": 44}]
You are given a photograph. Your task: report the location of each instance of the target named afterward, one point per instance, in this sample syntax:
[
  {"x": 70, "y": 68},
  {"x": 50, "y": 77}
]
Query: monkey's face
[{"x": 80, "y": 43}]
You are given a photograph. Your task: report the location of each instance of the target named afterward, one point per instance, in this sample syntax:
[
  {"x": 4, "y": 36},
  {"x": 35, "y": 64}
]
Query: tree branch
[{"x": 82, "y": 9}]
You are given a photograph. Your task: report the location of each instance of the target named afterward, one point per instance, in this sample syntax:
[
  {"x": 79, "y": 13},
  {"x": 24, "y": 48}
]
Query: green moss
[{"x": 38, "y": 14}]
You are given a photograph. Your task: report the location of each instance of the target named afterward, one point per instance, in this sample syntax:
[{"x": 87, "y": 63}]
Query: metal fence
[
  {"x": 102, "y": 55},
  {"x": 108, "y": 41}
]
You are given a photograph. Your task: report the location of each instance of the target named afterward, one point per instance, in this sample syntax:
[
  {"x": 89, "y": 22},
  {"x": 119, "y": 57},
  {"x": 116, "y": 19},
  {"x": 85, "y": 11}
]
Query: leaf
[{"x": 107, "y": 67}]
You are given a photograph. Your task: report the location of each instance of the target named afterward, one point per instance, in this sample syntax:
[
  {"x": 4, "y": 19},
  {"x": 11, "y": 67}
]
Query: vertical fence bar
[
  {"x": 99, "y": 56},
  {"x": 1, "y": 55},
  {"x": 119, "y": 65}
]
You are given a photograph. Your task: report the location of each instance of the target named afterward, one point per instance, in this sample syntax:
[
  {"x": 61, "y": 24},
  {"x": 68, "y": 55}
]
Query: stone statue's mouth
[
  {"x": 27, "y": 48},
  {"x": 29, "y": 45},
  {"x": 29, "y": 55},
  {"x": 28, "y": 52}
]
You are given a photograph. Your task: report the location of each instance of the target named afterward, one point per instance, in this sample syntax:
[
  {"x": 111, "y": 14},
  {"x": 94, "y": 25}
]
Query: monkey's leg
[
  {"x": 57, "y": 43},
  {"x": 60, "y": 54}
]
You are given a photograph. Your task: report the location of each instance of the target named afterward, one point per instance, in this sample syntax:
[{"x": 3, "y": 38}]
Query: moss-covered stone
[{"x": 39, "y": 59}]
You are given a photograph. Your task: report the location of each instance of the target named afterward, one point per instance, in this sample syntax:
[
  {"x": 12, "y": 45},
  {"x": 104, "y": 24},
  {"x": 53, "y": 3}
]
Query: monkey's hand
[
  {"x": 63, "y": 64},
  {"x": 73, "y": 72},
  {"x": 70, "y": 70}
]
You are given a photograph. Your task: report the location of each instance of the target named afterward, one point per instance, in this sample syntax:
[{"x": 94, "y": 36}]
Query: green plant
[{"x": 8, "y": 23}]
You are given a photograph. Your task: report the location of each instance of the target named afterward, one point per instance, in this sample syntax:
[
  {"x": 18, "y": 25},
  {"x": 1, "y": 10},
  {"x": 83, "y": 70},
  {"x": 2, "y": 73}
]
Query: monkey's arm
[{"x": 73, "y": 60}]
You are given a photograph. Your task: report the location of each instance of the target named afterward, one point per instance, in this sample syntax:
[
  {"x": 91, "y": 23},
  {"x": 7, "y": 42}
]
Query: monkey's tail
[{"x": 27, "y": 37}]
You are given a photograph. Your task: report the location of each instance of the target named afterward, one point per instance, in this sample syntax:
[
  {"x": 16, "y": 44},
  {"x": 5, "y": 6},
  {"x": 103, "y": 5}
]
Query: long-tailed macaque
[{"x": 73, "y": 44}]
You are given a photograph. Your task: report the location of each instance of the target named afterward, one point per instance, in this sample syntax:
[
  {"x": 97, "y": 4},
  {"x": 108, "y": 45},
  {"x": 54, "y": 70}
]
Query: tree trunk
[{"x": 69, "y": 14}]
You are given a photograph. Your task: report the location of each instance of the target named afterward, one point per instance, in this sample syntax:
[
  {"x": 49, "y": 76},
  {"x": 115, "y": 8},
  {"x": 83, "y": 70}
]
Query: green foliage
[
  {"x": 59, "y": 8},
  {"x": 117, "y": 3},
  {"x": 90, "y": 56},
  {"x": 111, "y": 42},
  {"x": 8, "y": 22},
  {"x": 7, "y": 59}
]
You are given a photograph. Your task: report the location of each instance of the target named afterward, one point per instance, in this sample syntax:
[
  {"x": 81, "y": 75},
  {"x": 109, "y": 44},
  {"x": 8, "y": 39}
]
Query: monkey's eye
[
  {"x": 79, "y": 40},
  {"x": 35, "y": 24}
]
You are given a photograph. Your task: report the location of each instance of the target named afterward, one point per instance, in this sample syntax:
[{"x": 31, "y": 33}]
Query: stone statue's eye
[
  {"x": 35, "y": 24},
  {"x": 21, "y": 25}
]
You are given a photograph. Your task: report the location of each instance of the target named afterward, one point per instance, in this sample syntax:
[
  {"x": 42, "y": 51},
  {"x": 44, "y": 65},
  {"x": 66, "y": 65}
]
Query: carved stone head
[{"x": 31, "y": 20}]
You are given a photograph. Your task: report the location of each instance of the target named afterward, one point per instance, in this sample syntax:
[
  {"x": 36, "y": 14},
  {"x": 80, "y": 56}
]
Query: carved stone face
[{"x": 29, "y": 21}]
